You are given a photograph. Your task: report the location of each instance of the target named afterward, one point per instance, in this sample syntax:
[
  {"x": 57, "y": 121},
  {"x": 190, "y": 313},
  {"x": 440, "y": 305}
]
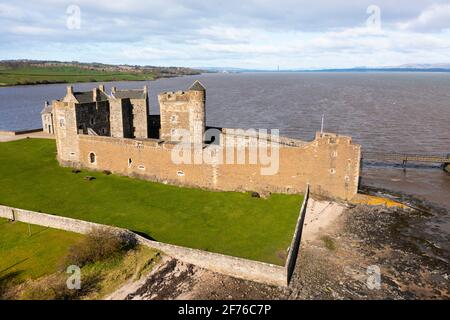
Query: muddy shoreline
[{"x": 338, "y": 262}]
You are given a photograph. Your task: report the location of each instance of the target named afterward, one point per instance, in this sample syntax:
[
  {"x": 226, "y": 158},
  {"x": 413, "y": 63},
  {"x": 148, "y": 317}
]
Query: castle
[{"x": 115, "y": 132}]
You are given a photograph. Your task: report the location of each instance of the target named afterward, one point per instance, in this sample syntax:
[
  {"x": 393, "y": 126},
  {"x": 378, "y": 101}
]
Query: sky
[{"x": 259, "y": 34}]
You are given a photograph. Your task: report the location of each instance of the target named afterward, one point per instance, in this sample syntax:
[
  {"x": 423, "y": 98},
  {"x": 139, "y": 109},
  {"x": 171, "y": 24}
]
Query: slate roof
[
  {"x": 129, "y": 94},
  {"x": 197, "y": 86},
  {"x": 88, "y": 96},
  {"x": 47, "y": 109}
]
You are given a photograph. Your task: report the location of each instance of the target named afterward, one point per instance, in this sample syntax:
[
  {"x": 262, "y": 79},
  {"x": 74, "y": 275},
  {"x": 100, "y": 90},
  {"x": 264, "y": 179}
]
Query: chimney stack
[
  {"x": 95, "y": 94},
  {"x": 69, "y": 90},
  {"x": 101, "y": 88},
  {"x": 145, "y": 90},
  {"x": 113, "y": 90}
]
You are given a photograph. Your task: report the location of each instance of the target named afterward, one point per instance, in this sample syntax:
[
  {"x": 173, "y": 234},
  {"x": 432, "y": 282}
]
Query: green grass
[
  {"x": 36, "y": 75},
  {"x": 329, "y": 243},
  {"x": 24, "y": 256},
  {"x": 225, "y": 222},
  {"x": 29, "y": 263}
]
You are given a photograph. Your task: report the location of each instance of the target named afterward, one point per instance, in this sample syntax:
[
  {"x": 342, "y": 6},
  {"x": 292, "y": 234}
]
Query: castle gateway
[{"x": 114, "y": 132}]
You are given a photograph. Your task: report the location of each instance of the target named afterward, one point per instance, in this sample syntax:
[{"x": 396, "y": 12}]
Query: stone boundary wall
[
  {"x": 220, "y": 263},
  {"x": 18, "y": 132},
  {"x": 48, "y": 220},
  {"x": 296, "y": 238}
]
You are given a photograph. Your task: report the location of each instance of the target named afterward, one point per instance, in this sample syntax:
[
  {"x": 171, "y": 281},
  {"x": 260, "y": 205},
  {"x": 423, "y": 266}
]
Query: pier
[{"x": 404, "y": 158}]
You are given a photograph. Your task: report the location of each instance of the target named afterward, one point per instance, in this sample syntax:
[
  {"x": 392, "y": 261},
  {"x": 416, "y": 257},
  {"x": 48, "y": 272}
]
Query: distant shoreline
[
  {"x": 46, "y": 82},
  {"x": 393, "y": 70},
  {"x": 22, "y": 73}
]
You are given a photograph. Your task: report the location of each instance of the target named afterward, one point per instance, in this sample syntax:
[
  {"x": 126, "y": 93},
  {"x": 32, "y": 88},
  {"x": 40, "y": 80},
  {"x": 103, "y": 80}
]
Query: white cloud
[
  {"x": 9, "y": 11},
  {"x": 434, "y": 18},
  {"x": 32, "y": 30},
  {"x": 254, "y": 33}
]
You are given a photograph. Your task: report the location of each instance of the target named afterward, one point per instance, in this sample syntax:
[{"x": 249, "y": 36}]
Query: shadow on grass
[
  {"x": 13, "y": 265},
  {"x": 144, "y": 235},
  {"x": 7, "y": 281}
]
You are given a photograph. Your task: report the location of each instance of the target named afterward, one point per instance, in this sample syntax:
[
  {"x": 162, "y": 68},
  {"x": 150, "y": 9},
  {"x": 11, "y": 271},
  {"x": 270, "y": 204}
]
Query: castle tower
[
  {"x": 65, "y": 121},
  {"x": 48, "y": 125},
  {"x": 121, "y": 118},
  {"x": 183, "y": 111},
  {"x": 133, "y": 112}
]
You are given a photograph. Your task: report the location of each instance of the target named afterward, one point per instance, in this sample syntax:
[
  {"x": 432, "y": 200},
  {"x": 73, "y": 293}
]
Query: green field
[
  {"x": 40, "y": 75},
  {"x": 225, "y": 222},
  {"x": 25, "y": 256}
]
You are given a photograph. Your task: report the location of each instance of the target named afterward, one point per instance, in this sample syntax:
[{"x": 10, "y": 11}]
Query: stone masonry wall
[
  {"x": 296, "y": 238},
  {"x": 140, "y": 117},
  {"x": 228, "y": 265},
  {"x": 182, "y": 110},
  {"x": 329, "y": 164}
]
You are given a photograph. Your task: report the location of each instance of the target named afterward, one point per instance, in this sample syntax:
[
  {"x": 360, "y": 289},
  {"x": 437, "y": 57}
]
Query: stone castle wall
[
  {"x": 140, "y": 118},
  {"x": 329, "y": 164}
]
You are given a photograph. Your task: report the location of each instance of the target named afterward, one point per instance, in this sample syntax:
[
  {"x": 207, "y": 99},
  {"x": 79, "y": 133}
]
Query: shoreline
[
  {"x": 44, "y": 82},
  {"x": 340, "y": 244}
]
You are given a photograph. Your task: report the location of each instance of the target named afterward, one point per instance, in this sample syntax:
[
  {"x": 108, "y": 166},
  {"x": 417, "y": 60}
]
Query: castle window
[
  {"x": 92, "y": 158},
  {"x": 174, "y": 119},
  {"x": 332, "y": 171},
  {"x": 180, "y": 173},
  {"x": 61, "y": 122},
  {"x": 129, "y": 162},
  {"x": 92, "y": 121}
]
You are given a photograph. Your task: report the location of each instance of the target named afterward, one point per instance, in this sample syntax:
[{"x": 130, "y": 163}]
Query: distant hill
[
  {"x": 24, "y": 72},
  {"x": 438, "y": 67}
]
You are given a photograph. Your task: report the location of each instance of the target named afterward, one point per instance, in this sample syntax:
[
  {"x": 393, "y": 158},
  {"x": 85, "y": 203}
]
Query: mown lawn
[
  {"x": 224, "y": 222},
  {"x": 24, "y": 256},
  {"x": 36, "y": 75}
]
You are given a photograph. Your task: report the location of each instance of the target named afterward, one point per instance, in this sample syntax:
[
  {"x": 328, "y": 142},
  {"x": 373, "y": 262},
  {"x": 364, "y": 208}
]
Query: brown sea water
[{"x": 386, "y": 112}]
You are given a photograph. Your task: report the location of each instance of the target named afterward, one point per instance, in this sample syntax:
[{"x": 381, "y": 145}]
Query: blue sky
[{"x": 232, "y": 33}]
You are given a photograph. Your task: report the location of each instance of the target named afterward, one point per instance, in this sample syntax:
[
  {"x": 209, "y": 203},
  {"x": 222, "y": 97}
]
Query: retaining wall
[
  {"x": 228, "y": 265},
  {"x": 18, "y": 132},
  {"x": 296, "y": 238}
]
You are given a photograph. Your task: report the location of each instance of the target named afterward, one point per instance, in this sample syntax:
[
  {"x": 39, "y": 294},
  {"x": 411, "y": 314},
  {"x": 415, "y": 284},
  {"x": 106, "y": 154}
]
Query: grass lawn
[
  {"x": 30, "y": 257},
  {"x": 28, "y": 263},
  {"x": 35, "y": 75},
  {"x": 225, "y": 222}
]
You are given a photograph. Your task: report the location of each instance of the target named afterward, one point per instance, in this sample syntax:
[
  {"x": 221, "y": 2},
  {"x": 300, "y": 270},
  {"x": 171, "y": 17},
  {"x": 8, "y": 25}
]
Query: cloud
[
  {"x": 434, "y": 18},
  {"x": 9, "y": 11},
  {"x": 32, "y": 31},
  {"x": 253, "y": 33}
]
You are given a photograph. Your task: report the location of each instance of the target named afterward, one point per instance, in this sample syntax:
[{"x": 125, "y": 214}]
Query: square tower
[{"x": 183, "y": 112}]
